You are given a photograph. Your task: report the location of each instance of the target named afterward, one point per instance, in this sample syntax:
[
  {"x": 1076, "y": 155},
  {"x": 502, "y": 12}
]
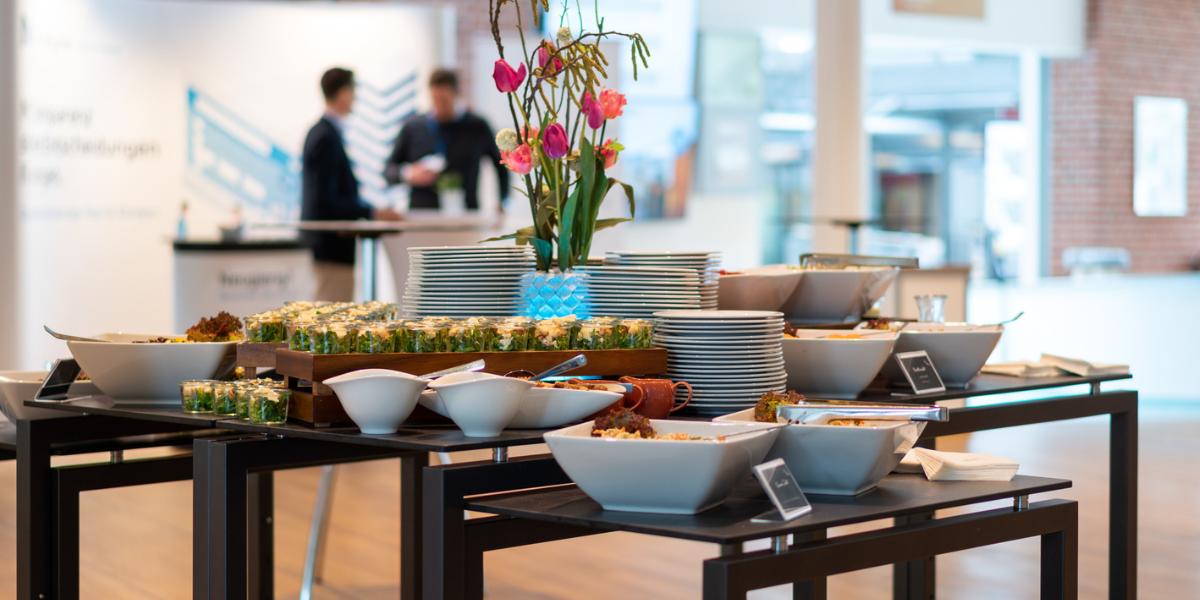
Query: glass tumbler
[{"x": 931, "y": 308}]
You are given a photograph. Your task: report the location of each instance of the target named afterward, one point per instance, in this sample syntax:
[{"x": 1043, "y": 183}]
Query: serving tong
[
  {"x": 841, "y": 261},
  {"x": 807, "y": 412}
]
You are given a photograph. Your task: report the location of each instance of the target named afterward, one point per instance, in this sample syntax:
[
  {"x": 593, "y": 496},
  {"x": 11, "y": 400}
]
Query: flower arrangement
[{"x": 558, "y": 144}]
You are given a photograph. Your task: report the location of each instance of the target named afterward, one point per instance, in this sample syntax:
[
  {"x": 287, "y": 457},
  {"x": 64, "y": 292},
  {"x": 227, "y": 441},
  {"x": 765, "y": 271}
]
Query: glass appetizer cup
[
  {"x": 510, "y": 337},
  {"x": 241, "y": 394},
  {"x": 224, "y": 398},
  {"x": 594, "y": 334},
  {"x": 335, "y": 337},
  {"x": 378, "y": 337},
  {"x": 297, "y": 334},
  {"x": 634, "y": 334},
  {"x": 469, "y": 335},
  {"x": 196, "y": 395},
  {"x": 427, "y": 337},
  {"x": 269, "y": 405},
  {"x": 551, "y": 334},
  {"x": 265, "y": 328}
]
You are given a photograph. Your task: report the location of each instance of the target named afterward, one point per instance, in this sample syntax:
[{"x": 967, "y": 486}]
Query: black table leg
[
  {"x": 260, "y": 530},
  {"x": 412, "y": 483},
  {"x": 35, "y": 554},
  {"x": 917, "y": 579},
  {"x": 220, "y": 471},
  {"x": 1123, "y": 505},
  {"x": 1060, "y": 563},
  {"x": 817, "y": 589}
]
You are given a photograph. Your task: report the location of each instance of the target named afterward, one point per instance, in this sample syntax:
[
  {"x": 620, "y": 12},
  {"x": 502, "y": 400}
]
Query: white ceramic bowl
[
  {"x": 542, "y": 408},
  {"x": 831, "y": 368},
  {"x": 958, "y": 354},
  {"x": 658, "y": 476},
  {"x": 481, "y": 404},
  {"x": 839, "y": 460},
  {"x": 150, "y": 373},
  {"x": 377, "y": 400},
  {"x": 18, "y": 386},
  {"x": 764, "y": 288},
  {"x": 833, "y": 296}
]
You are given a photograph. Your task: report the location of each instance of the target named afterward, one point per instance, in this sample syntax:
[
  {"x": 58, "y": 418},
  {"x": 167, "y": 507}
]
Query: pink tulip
[
  {"x": 530, "y": 135},
  {"x": 518, "y": 161},
  {"x": 543, "y": 54},
  {"x": 554, "y": 141},
  {"x": 612, "y": 102},
  {"x": 594, "y": 110},
  {"x": 609, "y": 152},
  {"x": 508, "y": 80}
]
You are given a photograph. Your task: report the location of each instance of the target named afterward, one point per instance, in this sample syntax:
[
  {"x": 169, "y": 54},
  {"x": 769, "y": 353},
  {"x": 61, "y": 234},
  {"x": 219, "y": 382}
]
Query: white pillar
[
  {"x": 9, "y": 215},
  {"x": 1030, "y": 263},
  {"x": 840, "y": 152}
]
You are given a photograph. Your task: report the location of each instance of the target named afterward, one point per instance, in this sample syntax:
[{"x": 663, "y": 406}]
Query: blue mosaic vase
[{"x": 557, "y": 294}]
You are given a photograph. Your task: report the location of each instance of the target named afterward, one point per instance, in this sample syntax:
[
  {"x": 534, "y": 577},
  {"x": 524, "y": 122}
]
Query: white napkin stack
[
  {"x": 957, "y": 466},
  {"x": 1053, "y": 366}
]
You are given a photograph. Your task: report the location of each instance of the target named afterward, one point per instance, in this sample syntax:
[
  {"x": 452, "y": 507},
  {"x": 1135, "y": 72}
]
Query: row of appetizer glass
[
  {"x": 440, "y": 334},
  {"x": 262, "y": 401},
  {"x": 269, "y": 326}
]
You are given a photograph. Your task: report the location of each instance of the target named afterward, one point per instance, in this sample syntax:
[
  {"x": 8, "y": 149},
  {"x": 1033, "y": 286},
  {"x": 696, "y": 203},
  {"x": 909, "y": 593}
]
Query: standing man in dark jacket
[
  {"x": 330, "y": 191},
  {"x": 448, "y": 135}
]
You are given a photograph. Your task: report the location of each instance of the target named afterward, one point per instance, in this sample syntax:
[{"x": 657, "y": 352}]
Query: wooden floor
[{"x": 137, "y": 541}]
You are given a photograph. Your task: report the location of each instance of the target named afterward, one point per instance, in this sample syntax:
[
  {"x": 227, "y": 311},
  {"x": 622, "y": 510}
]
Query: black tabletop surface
[
  {"x": 432, "y": 439},
  {"x": 238, "y": 246},
  {"x": 897, "y": 495},
  {"x": 102, "y": 405},
  {"x": 985, "y": 385}
]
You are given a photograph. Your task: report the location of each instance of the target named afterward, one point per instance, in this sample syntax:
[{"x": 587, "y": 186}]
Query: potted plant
[{"x": 557, "y": 143}]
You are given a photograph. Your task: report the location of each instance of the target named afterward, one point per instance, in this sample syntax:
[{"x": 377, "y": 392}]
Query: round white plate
[
  {"x": 718, "y": 355},
  {"x": 663, "y": 253},
  {"x": 731, "y": 343},
  {"x": 721, "y": 315},
  {"x": 726, "y": 332}
]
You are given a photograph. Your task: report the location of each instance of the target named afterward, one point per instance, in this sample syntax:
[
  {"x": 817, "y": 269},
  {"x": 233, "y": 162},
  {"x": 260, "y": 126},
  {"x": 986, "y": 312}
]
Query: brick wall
[{"x": 1135, "y": 48}]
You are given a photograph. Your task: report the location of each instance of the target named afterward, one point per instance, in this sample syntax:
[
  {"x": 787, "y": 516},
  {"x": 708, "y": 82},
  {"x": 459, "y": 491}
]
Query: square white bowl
[
  {"x": 18, "y": 386},
  {"x": 958, "y": 350},
  {"x": 838, "y": 460},
  {"x": 150, "y": 373},
  {"x": 833, "y": 368},
  {"x": 660, "y": 476}
]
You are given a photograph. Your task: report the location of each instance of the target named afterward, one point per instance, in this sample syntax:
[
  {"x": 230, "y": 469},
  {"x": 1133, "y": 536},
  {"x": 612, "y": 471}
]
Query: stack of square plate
[
  {"x": 639, "y": 292},
  {"x": 707, "y": 265},
  {"x": 468, "y": 281},
  {"x": 729, "y": 357}
]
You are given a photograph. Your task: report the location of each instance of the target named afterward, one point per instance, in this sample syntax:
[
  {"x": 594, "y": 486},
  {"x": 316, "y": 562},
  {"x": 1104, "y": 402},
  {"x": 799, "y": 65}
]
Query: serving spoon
[
  {"x": 998, "y": 324},
  {"x": 475, "y": 365},
  {"x": 567, "y": 365},
  {"x": 73, "y": 338},
  {"x": 860, "y": 332}
]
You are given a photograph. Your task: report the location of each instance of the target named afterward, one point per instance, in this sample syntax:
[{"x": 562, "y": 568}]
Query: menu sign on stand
[
  {"x": 783, "y": 490},
  {"x": 920, "y": 373}
]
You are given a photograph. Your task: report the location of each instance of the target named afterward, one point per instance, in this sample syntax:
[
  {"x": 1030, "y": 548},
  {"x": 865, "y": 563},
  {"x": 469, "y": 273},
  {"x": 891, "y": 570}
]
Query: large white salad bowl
[
  {"x": 150, "y": 373},
  {"x": 542, "y": 408},
  {"x": 660, "y": 476},
  {"x": 763, "y": 288},
  {"x": 377, "y": 400},
  {"x": 18, "y": 386},
  {"x": 481, "y": 404},
  {"x": 958, "y": 350},
  {"x": 834, "y": 368},
  {"x": 839, "y": 460},
  {"x": 834, "y": 296}
]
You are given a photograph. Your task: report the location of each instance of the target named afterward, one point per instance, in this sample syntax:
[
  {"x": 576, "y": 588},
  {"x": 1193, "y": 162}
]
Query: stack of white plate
[
  {"x": 707, "y": 265},
  {"x": 468, "y": 281},
  {"x": 639, "y": 292},
  {"x": 730, "y": 357}
]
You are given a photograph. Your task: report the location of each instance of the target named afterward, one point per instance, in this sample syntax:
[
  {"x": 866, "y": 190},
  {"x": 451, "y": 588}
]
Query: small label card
[
  {"x": 58, "y": 381},
  {"x": 782, "y": 489},
  {"x": 920, "y": 373}
]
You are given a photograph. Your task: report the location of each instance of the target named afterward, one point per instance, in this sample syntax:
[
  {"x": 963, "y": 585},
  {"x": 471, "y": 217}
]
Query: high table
[{"x": 368, "y": 233}]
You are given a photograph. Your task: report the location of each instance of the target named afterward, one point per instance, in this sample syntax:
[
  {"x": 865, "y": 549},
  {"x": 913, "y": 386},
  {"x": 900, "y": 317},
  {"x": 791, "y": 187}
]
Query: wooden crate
[
  {"x": 253, "y": 356},
  {"x": 315, "y": 404}
]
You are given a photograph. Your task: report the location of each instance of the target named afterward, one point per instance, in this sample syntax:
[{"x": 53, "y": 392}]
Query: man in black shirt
[
  {"x": 461, "y": 139},
  {"x": 330, "y": 191}
]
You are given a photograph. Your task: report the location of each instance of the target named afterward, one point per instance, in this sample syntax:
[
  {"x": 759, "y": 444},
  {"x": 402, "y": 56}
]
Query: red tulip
[
  {"x": 612, "y": 102},
  {"x": 543, "y": 54},
  {"x": 518, "y": 161},
  {"x": 554, "y": 141},
  {"x": 609, "y": 151},
  {"x": 508, "y": 80},
  {"x": 594, "y": 110}
]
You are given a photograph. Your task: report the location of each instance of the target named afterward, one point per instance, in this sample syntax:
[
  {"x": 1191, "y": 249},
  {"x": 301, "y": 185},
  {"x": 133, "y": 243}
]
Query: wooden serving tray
[
  {"x": 315, "y": 404},
  {"x": 253, "y": 356}
]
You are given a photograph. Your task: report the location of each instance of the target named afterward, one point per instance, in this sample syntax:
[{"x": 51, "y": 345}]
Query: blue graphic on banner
[
  {"x": 240, "y": 159},
  {"x": 265, "y": 179}
]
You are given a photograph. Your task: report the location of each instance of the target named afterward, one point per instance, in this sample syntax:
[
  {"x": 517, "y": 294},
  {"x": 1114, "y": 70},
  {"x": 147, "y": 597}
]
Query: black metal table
[
  {"x": 48, "y": 497},
  {"x": 528, "y": 517}
]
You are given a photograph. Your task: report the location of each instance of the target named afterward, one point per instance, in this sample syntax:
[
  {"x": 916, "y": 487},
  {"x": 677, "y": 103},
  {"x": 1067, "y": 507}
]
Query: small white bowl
[
  {"x": 481, "y": 404},
  {"x": 833, "y": 368},
  {"x": 958, "y": 350},
  {"x": 838, "y": 460},
  {"x": 18, "y": 386},
  {"x": 377, "y": 400},
  {"x": 150, "y": 373},
  {"x": 660, "y": 476},
  {"x": 543, "y": 408}
]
